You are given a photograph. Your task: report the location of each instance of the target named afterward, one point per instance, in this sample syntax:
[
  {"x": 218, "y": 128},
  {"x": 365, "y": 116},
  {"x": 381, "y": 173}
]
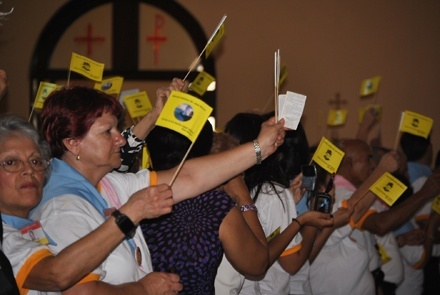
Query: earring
[{"x": 78, "y": 157}]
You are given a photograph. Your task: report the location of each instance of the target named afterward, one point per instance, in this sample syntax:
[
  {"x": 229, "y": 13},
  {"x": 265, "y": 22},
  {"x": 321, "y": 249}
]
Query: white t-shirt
[
  {"x": 228, "y": 280},
  {"x": 275, "y": 214},
  {"x": 23, "y": 254},
  {"x": 68, "y": 218},
  {"x": 342, "y": 265},
  {"x": 393, "y": 268}
]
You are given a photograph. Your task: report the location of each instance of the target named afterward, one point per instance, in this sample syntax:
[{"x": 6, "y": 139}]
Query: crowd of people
[{"x": 79, "y": 216}]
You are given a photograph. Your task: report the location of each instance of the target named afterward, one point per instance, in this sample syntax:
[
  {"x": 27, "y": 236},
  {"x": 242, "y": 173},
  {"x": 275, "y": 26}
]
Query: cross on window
[
  {"x": 89, "y": 39},
  {"x": 337, "y": 101},
  {"x": 159, "y": 23}
]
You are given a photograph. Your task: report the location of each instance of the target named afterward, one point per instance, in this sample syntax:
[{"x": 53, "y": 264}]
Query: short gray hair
[{"x": 10, "y": 124}]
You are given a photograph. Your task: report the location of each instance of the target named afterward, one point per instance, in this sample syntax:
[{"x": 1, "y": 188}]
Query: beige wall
[{"x": 329, "y": 46}]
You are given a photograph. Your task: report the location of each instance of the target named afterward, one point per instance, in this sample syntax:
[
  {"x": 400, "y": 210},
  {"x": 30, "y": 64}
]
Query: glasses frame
[{"x": 21, "y": 165}]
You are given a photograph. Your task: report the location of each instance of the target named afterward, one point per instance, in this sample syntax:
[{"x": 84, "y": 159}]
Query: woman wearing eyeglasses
[{"x": 23, "y": 171}]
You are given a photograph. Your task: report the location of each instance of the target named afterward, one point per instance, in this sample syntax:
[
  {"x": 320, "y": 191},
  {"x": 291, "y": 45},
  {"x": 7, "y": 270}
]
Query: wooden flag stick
[
  {"x": 32, "y": 111},
  {"x": 277, "y": 81},
  {"x": 68, "y": 79},
  {"x": 195, "y": 62},
  {"x": 181, "y": 164}
]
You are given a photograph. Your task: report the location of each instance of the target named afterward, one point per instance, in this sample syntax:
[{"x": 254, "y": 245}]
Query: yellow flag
[
  {"x": 110, "y": 85},
  {"x": 145, "y": 158},
  {"x": 376, "y": 107},
  {"x": 328, "y": 156},
  {"x": 86, "y": 67},
  {"x": 370, "y": 86},
  {"x": 184, "y": 114},
  {"x": 216, "y": 37},
  {"x": 388, "y": 188},
  {"x": 44, "y": 89},
  {"x": 415, "y": 124},
  {"x": 137, "y": 104},
  {"x": 436, "y": 205},
  {"x": 337, "y": 117},
  {"x": 201, "y": 83}
]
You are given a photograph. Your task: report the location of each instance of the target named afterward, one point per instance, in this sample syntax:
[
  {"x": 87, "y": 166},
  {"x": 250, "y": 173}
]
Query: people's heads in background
[
  {"x": 70, "y": 112},
  {"x": 244, "y": 127},
  {"x": 297, "y": 141},
  {"x": 223, "y": 142},
  {"x": 283, "y": 165},
  {"x": 416, "y": 148},
  {"x": 358, "y": 162},
  {"x": 167, "y": 147}
]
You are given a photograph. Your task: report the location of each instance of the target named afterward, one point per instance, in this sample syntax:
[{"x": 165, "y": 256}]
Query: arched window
[{"x": 147, "y": 42}]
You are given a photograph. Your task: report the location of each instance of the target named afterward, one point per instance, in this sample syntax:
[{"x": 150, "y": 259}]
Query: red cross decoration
[
  {"x": 89, "y": 39},
  {"x": 159, "y": 23}
]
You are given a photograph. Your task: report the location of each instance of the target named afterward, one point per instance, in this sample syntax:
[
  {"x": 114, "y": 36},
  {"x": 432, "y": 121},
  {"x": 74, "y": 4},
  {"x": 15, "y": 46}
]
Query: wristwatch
[{"x": 127, "y": 227}]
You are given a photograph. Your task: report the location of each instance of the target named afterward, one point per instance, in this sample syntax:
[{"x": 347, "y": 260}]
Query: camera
[
  {"x": 323, "y": 203},
  {"x": 308, "y": 177}
]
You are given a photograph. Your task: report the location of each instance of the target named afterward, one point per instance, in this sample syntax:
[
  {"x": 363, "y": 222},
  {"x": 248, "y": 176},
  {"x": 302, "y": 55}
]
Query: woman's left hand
[
  {"x": 163, "y": 93},
  {"x": 295, "y": 188}
]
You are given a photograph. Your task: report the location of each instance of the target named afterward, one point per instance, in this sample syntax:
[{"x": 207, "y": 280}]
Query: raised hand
[{"x": 271, "y": 136}]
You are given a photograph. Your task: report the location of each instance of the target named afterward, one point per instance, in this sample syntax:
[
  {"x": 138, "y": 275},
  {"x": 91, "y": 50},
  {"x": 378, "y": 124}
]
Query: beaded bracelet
[
  {"x": 248, "y": 207},
  {"x": 297, "y": 221}
]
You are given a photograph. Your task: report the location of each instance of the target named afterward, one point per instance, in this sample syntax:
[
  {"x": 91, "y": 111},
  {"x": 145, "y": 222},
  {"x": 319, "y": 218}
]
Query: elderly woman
[
  {"x": 80, "y": 125},
  {"x": 24, "y": 162}
]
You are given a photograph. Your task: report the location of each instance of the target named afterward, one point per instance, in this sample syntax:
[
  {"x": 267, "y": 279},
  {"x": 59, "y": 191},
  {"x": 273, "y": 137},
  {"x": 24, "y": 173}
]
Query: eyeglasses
[{"x": 15, "y": 165}]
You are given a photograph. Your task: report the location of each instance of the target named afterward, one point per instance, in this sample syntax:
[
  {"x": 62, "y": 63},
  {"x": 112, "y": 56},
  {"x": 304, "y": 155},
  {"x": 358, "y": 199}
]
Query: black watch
[{"x": 125, "y": 224}]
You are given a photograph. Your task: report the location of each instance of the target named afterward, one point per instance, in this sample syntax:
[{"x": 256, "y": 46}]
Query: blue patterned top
[{"x": 187, "y": 241}]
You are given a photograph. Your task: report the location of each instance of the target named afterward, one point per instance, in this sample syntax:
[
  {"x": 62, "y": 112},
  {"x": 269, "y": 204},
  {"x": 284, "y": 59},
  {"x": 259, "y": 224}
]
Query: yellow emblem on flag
[
  {"x": 388, "y": 188},
  {"x": 328, "y": 156},
  {"x": 145, "y": 158},
  {"x": 111, "y": 85},
  {"x": 376, "y": 107},
  {"x": 436, "y": 205},
  {"x": 416, "y": 124},
  {"x": 184, "y": 114},
  {"x": 216, "y": 37},
  {"x": 370, "y": 86},
  {"x": 86, "y": 67},
  {"x": 201, "y": 83},
  {"x": 337, "y": 117},
  {"x": 137, "y": 104},
  {"x": 44, "y": 89}
]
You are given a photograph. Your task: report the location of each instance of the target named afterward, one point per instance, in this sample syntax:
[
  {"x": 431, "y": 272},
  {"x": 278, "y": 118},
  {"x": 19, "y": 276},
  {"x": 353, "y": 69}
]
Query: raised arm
[
  {"x": 383, "y": 222},
  {"x": 144, "y": 127},
  {"x": 201, "y": 174}
]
